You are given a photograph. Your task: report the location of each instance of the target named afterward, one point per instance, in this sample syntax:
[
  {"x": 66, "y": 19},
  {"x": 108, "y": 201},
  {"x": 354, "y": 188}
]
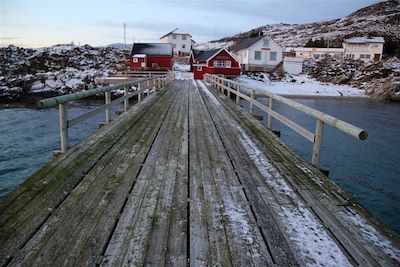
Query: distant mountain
[
  {"x": 381, "y": 19},
  {"x": 120, "y": 46}
]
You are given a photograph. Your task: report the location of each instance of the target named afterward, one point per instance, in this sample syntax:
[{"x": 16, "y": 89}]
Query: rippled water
[
  {"x": 369, "y": 170},
  {"x": 28, "y": 136}
]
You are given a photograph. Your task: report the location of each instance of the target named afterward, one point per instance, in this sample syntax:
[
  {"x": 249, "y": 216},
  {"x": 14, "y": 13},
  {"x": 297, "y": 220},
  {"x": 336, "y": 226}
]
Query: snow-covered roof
[
  {"x": 160, "y": 49},
  {"x": 176, "y": 31},
  {"x": 139, "y": 55},
  {"x": 246, "y": 43},
  {"x": 363, "y": 40}
]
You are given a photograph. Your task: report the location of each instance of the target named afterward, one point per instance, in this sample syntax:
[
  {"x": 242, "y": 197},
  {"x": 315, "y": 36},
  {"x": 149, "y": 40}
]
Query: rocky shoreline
[
  {"x": 55, "y": 70},
  {"x": 380, "y": 80}
]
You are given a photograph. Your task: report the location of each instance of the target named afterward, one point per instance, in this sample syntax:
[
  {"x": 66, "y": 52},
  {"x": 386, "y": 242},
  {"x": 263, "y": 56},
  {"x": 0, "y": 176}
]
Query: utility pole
[{"x": 124, "y": 35}]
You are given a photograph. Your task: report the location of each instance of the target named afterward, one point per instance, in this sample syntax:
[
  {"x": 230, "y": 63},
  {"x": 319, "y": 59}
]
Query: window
[
  {"x": 183, "y": 37},
  {"x": 272, "y": 56},
  {"x": 368, "y": 56},
  {"x": 362, "y": 56},
  {"x": 135, "y": 60},
  {"x": 173, "y": 36},
  {"x": 257, "y": 55},
  {"x": 222, "y": 63},
  {"x": 199, "y": 68},
  {"x": 183, "y": 46},
  {"x": 265, "y": 42}
]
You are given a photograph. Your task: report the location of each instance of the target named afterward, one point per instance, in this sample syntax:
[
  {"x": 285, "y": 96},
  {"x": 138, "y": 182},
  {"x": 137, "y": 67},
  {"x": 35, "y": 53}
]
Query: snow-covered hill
[
  {"x": 57, "y": 69},
  {"x": 381, "y": 19}
]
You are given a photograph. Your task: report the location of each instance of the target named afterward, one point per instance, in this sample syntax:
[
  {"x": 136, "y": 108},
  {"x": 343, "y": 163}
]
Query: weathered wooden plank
[
  {"x": 246, "y": 244},
  {"x": 132, "y": 235},
  {"x": 251, "y": 179},
  {"x": 163, "y": 222},
  {"x": 208, "y": 244}
]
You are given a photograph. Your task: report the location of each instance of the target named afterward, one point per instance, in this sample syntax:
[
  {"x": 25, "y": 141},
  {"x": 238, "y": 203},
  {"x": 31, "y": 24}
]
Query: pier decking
[{"x": 187, "y": 178}]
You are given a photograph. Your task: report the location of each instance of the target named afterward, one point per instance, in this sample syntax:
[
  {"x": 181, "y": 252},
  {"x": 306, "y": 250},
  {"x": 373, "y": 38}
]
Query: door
[{"x": 377, "y": 57}]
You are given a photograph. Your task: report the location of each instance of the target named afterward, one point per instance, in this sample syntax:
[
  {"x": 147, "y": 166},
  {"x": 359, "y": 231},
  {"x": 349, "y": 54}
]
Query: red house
[
  {"x": 151, "y": 56},
  {"x": 216, "y": 61}
]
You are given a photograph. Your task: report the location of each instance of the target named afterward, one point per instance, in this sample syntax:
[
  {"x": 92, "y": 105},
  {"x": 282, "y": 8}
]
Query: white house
[
  {"x": 181, "y": 42},
  {"x": 364, "y": 48},
  {"x": 258, "y": 54},
  {"x": 317, "y": 52}
]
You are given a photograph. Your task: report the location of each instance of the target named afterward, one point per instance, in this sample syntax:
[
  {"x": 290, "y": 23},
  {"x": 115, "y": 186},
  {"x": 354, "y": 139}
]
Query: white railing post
[
  {"x": 251, "y": 109},
  {"x": 270, "y": 108},
  {"x": 229, "y": 87},
  {"x": 126, "y": 101},
  {"x": 108, "y": 109},
  {"x": 139, "y": 92},
  {"x": 237, "y": 94},
  {"x": 63, "y": 117},
  {"x": 319, "y": 128}
]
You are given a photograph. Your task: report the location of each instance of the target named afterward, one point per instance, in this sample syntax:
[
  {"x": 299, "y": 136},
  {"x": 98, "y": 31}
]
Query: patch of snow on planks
[
  {"x": 370, "y": 234},
  {"x": 305, "y": 230},
  {"x": 208, "y": 93}
]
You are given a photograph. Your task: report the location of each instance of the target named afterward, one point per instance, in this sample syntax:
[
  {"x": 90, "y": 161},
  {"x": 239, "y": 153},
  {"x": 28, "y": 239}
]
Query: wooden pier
[{"x": 187, "y": 178}]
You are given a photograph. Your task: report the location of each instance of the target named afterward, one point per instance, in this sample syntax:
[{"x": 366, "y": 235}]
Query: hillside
[{"x": 381, "y": 19}]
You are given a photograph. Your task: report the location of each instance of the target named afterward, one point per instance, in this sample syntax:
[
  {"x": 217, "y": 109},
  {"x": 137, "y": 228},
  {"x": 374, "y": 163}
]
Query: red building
[
  {"x": 216, "y": 61},
  {"x": 151, "y": 56}
]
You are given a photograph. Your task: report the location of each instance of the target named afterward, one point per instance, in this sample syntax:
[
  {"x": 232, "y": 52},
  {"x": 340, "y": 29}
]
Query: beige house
[
  {"x": 363, "y": 48},
  {"x": 316, "y": 52},
  {"x": 181, "y": 42}
]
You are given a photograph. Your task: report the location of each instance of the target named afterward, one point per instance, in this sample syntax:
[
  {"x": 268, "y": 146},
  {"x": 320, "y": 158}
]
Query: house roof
[
  {"x": 204, "y": 55},
  {"x": 160, "y": 49},
  {"x": 363, "y": 40},
  {"x": 176, "y": 31},
  {"x": 246, "y": 43}
]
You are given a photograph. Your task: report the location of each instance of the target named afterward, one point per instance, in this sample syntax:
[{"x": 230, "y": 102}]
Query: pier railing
[
  {"x": 232, "y": 87},
  {"x": 144, "y": 87}
]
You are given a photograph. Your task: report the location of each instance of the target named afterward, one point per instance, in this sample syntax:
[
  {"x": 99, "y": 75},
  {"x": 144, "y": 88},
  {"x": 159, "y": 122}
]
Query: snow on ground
[
  {"x": 302, "y": 85},
  {"x": 181, "y": 71},
  {"x": 181, "y": 67}
]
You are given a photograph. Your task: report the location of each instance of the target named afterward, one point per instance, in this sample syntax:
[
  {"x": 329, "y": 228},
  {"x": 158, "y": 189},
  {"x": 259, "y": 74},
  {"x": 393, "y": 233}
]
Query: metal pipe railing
[
  {"x": 322, "y": 118},
  {"x": 142, "y": 85}
]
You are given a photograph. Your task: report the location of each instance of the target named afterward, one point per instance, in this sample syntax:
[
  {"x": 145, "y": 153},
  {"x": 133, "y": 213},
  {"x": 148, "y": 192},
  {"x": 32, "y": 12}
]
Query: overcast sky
[{"x": 35, "y": 23}]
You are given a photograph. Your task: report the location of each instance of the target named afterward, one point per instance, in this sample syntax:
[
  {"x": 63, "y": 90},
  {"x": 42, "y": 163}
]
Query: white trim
[{"x": 221, "y": 51}]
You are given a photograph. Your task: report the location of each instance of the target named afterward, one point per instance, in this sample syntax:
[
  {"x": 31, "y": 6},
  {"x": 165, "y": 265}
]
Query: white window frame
[
  {"x": 362, "y": 56},
  {"x": 173, "y": 36},
  {"x": 368, "y": 56},
  {"x": 266, "y": 42},
  {"x": 227, "y": 63},
  {"x": 199, "y": 68},
  {"x": 135, "y": 60},
  {"x": 183, "y": 37},
  {"x": 273, "y": 53},
  {"x": 255, "y": 53}
]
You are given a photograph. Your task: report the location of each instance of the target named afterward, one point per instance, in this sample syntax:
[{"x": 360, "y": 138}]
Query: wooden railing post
[
  {"x": 270, "y": 108},
  {"x": 319, "y": 128},
  {"x": 229, "y": 91},
  {"x": 63, "y": 114},
  {"x": 251, "y": 109},
  {"x": 108, "y": 109},
  {"x": 126, "y": 101},
  {"x": 139, "y": 92},
  {"x": 237, "y": 94}
]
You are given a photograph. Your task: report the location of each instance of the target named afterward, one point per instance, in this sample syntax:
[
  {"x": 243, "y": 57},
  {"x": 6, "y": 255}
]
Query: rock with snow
[{"x": 58, "y": 69}]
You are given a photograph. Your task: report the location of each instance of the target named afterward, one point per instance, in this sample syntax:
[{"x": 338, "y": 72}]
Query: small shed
[
  {"x": 293, "y": 65},
  {"x": 216, "y": 61},
  {"x": 151, "y": 56}
]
